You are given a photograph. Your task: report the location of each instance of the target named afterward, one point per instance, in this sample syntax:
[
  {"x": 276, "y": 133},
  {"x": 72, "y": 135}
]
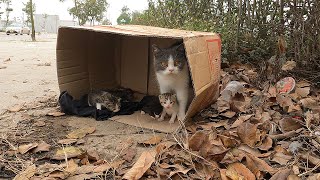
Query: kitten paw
[
  {"x": 160, "y": 119},
  {"x": 171, "y": 121},
  {"x": 142, "y": 112}
]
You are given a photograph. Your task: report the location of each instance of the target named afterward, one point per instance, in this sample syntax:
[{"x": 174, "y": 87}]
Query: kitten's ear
[
  {"x": 180, "y": 48},
  {"x": 174, "y": 96},
  {"x": 155, "y": 48}
]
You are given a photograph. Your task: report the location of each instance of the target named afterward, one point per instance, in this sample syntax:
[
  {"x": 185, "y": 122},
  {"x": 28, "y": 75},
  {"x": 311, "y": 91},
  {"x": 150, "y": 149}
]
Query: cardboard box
[{"x": 112, "y": 56}]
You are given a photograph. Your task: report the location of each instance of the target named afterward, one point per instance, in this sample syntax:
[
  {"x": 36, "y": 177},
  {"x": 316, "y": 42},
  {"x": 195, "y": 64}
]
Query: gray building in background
[
  {"x": 50, "y": 23},
  {"x": 44, "y": 23}
]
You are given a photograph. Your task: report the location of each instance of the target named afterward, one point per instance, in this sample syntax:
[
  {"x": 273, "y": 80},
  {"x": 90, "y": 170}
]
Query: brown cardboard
[{"x": 111, "y": 56}]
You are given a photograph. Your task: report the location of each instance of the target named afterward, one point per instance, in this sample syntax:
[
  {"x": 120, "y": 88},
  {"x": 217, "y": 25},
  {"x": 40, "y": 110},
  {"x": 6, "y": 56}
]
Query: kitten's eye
[
  {"x": 176, "y": 63},
  {"x": 171, "y": 102},
  {"x": 163, "y": 64}
]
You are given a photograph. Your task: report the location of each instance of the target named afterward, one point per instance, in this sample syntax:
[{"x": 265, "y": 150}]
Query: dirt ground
[{"x": 29, "y": 78}]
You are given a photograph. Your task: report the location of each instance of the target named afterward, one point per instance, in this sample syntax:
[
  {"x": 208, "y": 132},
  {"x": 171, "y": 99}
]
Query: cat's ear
[
  {"x": 155, "y": 48},
  {"x": 174, "y": 96},
  {"x": 180, "y": 48}
]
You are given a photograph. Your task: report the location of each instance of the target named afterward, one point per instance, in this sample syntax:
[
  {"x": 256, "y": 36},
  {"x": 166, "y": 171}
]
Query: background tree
[
  {"x": 88, "y": 10},
  {"x": 106, "y": 21},
  {"x": 33, "y": 32},
  {"x": 125, "y": 16},
  {"x": 94, "y": 10},
  {"x": 8, "y": 10},
  {"x": 27, "y": 9}
]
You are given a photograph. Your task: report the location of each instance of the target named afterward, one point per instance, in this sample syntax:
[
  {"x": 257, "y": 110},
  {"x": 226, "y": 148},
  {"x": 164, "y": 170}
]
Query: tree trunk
[
  {"x": 33, "y": 33},
  {"x": 238, "y": 23}
]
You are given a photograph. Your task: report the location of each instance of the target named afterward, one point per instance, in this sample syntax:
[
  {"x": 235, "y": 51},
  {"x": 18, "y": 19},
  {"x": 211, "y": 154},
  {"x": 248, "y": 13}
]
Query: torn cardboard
[{"x": 102, "y": 57}]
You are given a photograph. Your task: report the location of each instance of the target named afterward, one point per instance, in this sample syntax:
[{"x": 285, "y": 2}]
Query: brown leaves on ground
[
  {"x": 80, "y": 133},
  {"x": 141, "y": 166},
  {"x": 67, "y": 152}
]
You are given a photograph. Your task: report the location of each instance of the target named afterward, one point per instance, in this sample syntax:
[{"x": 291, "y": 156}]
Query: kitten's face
[
  {"x": 170, "y": 60},
  {"x": 167, "y": 100},
  {"x": 113, "y": 104}
]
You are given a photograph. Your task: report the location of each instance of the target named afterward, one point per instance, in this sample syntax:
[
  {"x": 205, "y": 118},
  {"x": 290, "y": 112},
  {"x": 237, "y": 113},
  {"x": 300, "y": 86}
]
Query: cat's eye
[
  {"x": 176, "y": 63},
  {"x": 163, "y": 64}
]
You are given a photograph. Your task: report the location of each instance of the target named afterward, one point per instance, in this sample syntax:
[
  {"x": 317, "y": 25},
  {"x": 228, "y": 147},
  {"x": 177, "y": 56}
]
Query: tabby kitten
[
  {"x": 173, "y": 74},
  {"x": 170, "y": 106},
  {"x": 105, "y": 99}
]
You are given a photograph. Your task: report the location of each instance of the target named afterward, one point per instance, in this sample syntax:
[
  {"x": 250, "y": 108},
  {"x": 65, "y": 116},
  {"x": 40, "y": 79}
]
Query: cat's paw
[
  {"x": 142, "y": 112},
  {"x": 160, "y": 119},
  {"x": 181, "y": 117},
  {"x": 171, "y": 121}
]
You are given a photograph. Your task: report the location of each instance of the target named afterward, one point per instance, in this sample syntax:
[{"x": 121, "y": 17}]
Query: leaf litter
[{"x": 253, "y": 131}]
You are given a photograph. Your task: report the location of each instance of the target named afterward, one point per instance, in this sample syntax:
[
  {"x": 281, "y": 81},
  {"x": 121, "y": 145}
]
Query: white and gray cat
[
  {"x": 170, "y": 106},
  {"x": 172, "y": 73},
  {"x": 104, "y": 99}
]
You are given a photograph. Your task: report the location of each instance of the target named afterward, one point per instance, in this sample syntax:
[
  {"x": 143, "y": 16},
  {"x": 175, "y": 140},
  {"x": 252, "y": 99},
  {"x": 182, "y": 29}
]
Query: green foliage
[
  {"x": 27, "y": 9},
  {"x": 89, "y": 10},
  {"x": 125, "y": 16},
  {"x": 250, "y": 29}
]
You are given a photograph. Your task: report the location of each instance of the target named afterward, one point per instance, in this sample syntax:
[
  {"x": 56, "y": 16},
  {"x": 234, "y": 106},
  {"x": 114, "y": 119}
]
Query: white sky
[{"x": 54, "y": 7}]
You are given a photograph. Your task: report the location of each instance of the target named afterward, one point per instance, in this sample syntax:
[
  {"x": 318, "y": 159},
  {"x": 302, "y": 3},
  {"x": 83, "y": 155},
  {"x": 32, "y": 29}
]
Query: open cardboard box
[{"x": 111, "y": 56}]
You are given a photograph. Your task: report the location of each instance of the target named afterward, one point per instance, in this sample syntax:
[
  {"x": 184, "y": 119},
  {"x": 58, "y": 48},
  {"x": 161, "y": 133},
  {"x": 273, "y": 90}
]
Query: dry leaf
[
  {"x": 311, "y": 118},
  {"x": 260, "y": 164},
  {"x": 42, "y": 147},
  {"x": 228, "y": 114},
  {"x": 248, "y": 133},
  {"x": 107, "y": 166},
  {"x": 93, "y": 155},
  {"x": 71, "y": 167},
  {"x": 281, "y": 158},
  {"x": 67, "y": 152},
  {"x": 152, "y": 141},
  {"x": 26, "y": 147},
  {"x": 289, "y": 65},
  {"x": 80, "y": 133},
  {"x": 252, "y": 151},
  {"x": 16, "y": 107},
  {"x": 58, "y": 174},
  {"x": 303, "y": 92},
  {"x": 284, "y": 100},
  {"x": 129, "y": 154},
  {"x": 179, "y": 169},
  {"x": 293, "y": 177},
  {"x": 141, "y": 166},
  {"x": 288, "y": 124},
  {"x": 27, "y": 173},
  {"x": 266, "y": 144},
  {"x": 240, "y": 120},
  {"x": 196, "y": 140},
  {"x": 282, "y": 174},
  {"x": 56, "y": 114},
  {"x": 309, "y": 103},
  {"x": 239, "y": 171},
  {"x": 67, "y": 141}
]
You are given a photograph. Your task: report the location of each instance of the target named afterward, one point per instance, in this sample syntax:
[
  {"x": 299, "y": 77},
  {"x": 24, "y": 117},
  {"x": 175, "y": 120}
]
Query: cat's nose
[{"x": 171, "y": 70}]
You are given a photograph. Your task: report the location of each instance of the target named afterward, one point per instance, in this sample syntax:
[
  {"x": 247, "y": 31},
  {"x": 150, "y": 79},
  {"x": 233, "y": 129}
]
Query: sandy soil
[{"x": 30, "y": 74}]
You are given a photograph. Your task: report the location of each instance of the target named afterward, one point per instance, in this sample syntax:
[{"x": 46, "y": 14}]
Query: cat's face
[
  {"x": 170, "y": 60},
  {"x": 113, "y": 104},
  {"x": 167, "y": 100}
]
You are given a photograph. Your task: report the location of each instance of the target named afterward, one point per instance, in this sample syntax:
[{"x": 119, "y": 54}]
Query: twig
[
  {"x": 309, "y": 171},
  {"x": 283, "y": 136}
]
